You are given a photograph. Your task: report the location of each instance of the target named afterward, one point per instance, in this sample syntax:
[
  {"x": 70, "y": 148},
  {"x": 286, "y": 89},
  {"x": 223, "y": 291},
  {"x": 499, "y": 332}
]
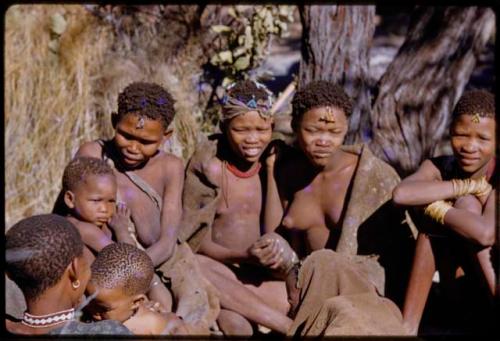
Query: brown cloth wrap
[
  {"x": 197, "y": 300},
  {"x": 374, "y": 233},
  {"x": 199, "y": 197},
  {"x": 336, "y": 299}
]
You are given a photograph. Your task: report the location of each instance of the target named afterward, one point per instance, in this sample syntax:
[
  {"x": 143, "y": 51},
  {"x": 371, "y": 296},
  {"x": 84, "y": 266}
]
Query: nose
[
  {"x": 469, "y": 147},
  {"x": 133, "y": 147},
  {"x": 103, "y": 208},
  {"x": 252, "y": 138}
]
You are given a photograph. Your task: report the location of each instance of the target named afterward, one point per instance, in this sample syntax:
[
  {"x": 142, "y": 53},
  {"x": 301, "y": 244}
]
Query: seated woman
[
  {"x": 339, "y": 197},
  {"x": 44, "y": 257}
]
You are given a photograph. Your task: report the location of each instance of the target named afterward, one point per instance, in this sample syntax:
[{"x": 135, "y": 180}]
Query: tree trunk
[
  {"x": 423, "y": 83},
  {"x": 336, "y": 41}
]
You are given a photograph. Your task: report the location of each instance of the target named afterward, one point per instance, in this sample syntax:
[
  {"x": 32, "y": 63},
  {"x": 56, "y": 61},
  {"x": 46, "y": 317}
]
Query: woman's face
[{"x": 320, "y": 132}]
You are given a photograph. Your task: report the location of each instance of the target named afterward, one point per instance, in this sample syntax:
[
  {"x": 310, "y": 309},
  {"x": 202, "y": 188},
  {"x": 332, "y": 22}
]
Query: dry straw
[{"x": 63, "y": 72}]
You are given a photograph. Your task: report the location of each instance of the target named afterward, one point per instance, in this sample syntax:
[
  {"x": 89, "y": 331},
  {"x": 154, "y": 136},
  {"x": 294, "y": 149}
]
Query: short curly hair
[
  {"x": 147, "y": 99},
  {"x": 245, "y": 89},
  {"x": 318, "y": 94},
  {"x": 38, "y": 250},
  {"x": 123, "y": 266},
  {"x": 481, "y": 102},
  {"x": 78, "y": 169}
]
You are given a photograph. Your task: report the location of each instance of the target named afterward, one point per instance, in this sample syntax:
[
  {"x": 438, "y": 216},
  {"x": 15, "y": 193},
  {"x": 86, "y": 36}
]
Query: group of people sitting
[{"x": 255, "y": 235}]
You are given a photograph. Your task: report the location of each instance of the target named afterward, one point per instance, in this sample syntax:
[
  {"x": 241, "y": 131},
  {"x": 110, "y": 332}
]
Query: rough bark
[
  {"x": 335, "y": 46},
  {"x": 425, "y": 80}
]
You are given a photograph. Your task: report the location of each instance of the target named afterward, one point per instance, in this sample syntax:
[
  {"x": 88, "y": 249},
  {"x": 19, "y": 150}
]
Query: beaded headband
[{"x": 234, "y": 106}]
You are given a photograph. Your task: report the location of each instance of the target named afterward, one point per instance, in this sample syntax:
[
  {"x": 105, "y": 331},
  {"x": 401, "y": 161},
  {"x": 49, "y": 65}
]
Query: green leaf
[
  {"x": 220, "y": 28},
  {"x": 242, "y": 63},
  {"x": 58, "y": 24}
]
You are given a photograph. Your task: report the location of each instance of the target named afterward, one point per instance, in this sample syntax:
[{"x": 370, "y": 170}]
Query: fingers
[{"x": 122, "y": 209}]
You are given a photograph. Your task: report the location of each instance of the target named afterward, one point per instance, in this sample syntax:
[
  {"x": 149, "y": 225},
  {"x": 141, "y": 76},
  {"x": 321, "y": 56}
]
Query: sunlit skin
[
  {"x": 248, "y": 135},
  {"x": 131, "y": 310},
  {"x": 473, "y": 143},
  {"x": 317, "y": 188},
  {"x": 93, "y": 200},
  {"x": 136, "y": 148},
  {"x": 62, "y": 296},
  {"x": 320, "y": 132},
  {"x": 236, "y": 226},
  {"x": 137, "y": 145}
]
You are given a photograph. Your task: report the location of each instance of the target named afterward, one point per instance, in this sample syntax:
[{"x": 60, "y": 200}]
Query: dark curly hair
[
  {"x": 318, "y": 94},
  {"x": 123, "y": 266},
  {"x": 472, "y": 102},
  {"x": 147, "y": 99},
  {"x": 244, "y": 90},
  {"x": 38, "y": 250},
  {"x": 80, "y": 168}
]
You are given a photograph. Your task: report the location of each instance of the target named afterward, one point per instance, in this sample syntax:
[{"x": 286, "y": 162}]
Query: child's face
[
  {"x": 138, "y": 139},
  {"x": 94, "y": 200},
  {"x": 109, "y": 304},
  {"x": 321, "y": 131},
  {"x": 473, "y": 142},
  {"x": 249, "y": 134}
]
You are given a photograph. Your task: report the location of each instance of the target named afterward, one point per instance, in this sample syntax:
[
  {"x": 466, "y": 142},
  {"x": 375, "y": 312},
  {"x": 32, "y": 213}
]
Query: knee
[{"x": 232, "y": 323}]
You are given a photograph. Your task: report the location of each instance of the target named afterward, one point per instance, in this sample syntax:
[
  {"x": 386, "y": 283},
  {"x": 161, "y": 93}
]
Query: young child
[
  {"x": 339, "y": 197},
  {"x": 150, "y": 183},
  {"x": 89, "y": 190},
  {"x": 44, "y": 257},
  {"x": 455, "y": 192},
  {"x": 120, "y": 278},
  {"x": 223, "y": 194}
]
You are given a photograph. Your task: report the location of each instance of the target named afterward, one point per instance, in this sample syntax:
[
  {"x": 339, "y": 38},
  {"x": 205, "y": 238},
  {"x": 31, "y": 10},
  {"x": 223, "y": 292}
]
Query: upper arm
[
  {"x": 93, "y": 237},
  {"x": 172, "y": 194},
  {"x": 426, "y": 172}
]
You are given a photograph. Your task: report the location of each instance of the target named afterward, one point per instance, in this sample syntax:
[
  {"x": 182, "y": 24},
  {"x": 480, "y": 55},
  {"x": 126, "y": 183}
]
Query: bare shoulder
[
  {"x": 212, "y": 170},
  {"x": 92, "y": 149},
  {"x": 426, "y": 172}
]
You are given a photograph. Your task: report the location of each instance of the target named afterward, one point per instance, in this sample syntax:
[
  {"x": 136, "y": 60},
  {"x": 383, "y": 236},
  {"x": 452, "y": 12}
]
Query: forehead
[
  {"x": 318, "y": 114},
  {"x": 250, "y": 118},
  {"x": 132, "y": 125},
  {"x": 469, "y": 122},
  {"x": 105, "y": 295},
  {"x": 98, "y": 182}
]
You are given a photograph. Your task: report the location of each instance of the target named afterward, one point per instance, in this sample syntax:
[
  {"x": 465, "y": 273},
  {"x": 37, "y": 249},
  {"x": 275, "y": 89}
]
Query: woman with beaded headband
[{"x": 223, "y": 201}]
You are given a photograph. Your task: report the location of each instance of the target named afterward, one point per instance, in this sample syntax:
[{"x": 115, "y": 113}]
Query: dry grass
[{"x": 56, "y": 101}]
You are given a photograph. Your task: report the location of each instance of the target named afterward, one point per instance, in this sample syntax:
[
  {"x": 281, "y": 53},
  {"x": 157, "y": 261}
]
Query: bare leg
[
  {"x": 484, "y": 259},
  {"x": 273, "y": 293},
  {"x": 419, "y": 284},
  {"x": 158, "y": 292},
  {"x": 232, "y": 323},
  {"x": 238, "y": 298}
]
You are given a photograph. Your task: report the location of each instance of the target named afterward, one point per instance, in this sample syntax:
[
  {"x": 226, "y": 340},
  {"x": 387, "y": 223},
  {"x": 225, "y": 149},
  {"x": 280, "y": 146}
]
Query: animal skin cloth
[
  {"x": 375, "y": 233},
  {"x": 336, "y": 299},
  {"x": 197, "y": 300}
]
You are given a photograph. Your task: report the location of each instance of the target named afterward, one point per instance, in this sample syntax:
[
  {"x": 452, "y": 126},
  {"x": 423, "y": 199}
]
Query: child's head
[
  {"x": 145, "y": 111},
  {"x": 43, "y": 252},
  {"x": 472, "y": 130},
  {"x": 320, "y": 119},
  {"x": 121, "y": 276},
  {"x": 89, "y": 186},
  {"x": 247, "y": 119}
]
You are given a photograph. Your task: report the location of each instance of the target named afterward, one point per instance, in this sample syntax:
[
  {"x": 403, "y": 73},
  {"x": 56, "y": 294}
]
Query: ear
[
  {"x": 167, "y": 134},
  {"x": 114, "y": 119},
  {"x": 69, "y": 199},
  {"x": 138, "y": 300},
  {"x": 73, "y": 269}
]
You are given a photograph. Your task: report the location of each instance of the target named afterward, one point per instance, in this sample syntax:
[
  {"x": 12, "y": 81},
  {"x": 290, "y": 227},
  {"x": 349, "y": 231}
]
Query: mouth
[
  {"x": 467, "y": 160},
  {"x": 321, "y": 154},
  {"x": 252, "y": 152}
]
